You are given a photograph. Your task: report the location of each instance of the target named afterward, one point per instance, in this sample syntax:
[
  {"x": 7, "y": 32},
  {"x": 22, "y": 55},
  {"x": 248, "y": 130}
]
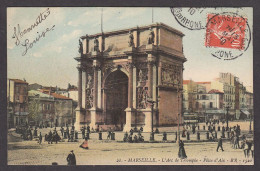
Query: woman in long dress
[{"x": 182, "y": 153}]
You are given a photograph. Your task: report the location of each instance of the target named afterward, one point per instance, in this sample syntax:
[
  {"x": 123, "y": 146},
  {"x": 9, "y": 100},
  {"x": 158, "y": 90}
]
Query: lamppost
[
  {"x": 152, "y": 102},
  {"x": 227, "y": 108},
  {"x": 178, "y": 96},
  {"x": 250, "y": 126}
]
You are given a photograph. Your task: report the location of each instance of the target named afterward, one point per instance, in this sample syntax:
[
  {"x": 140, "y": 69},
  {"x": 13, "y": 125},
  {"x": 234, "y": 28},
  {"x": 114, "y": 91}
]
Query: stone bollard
[
  {"x": 76, "y": 135},
  {"x": 152, "y": 136},
  {"x": 87, "y": 135},
  {"x": 204, "y": 127},
  {"x": 157, "y": 131},
  {"x": 223, "y": 134},
  {"x": 100, "y": 135},
  {"x": 65, "y": 135},
  {"x": 216, "y": 135},
  {"x": 198, "y": 136},
  {"x": 207, "y": 135},
  {"x": 164, "y": 136},
  {"x": 228, "y": 135},
  {"x": 218, "y": 128},
  {"x": 112, "y": 136},
  {"x": 188, "y": 136}
]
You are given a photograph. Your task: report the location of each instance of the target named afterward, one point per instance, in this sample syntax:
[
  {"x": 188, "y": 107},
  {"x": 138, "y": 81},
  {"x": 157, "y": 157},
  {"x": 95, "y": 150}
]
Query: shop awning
[
  {"x": 215, "y": 111},
  {"x": 245, "y": 112},
  {"x": 21, "y": 113}
]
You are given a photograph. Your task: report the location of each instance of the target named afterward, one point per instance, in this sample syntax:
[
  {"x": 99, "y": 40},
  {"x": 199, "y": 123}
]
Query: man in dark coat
[
  {"x": 40, "y": 138},
  {"x": 62, "y": 131},
  {"x": 220, "y": 144},
  {"x": 71, "y": 159}
]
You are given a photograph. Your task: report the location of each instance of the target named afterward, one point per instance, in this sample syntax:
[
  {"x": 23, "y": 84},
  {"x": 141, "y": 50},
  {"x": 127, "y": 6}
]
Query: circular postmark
[
  {"x": 190, "y": 18},
  {"x": 228, "y": 35}
]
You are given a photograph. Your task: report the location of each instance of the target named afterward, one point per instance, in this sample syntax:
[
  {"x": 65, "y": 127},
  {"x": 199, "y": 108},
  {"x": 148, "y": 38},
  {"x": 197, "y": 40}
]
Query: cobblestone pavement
[{"x": 108, "y": 152}]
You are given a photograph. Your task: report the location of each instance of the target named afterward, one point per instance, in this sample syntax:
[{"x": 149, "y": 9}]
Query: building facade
[
  {"x": 122, "y": 73},
  {"x": 17, "y": 95},
  {"x": 41, "y": 108}
]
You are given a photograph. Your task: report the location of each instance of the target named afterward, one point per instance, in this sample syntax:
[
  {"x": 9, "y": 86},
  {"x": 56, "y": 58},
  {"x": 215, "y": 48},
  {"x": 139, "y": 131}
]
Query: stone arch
[
  {"x": 118, "y": 67},
  {"x": 116, "y": 97}
]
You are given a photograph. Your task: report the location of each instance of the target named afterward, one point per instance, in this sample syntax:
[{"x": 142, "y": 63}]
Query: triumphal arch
[{"x": 131, "y": 77}]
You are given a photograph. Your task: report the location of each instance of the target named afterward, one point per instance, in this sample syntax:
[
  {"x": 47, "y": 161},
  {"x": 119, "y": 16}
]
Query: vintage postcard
[{"x": 130, "y": 86}]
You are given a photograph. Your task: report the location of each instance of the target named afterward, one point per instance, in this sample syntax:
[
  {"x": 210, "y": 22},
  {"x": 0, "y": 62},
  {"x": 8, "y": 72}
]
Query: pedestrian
[
  {"x": 108, "y": 134},
  {"x": 141, "y": 129},
  {"x": 40, "y": 138},
  {"x": 83, "y": 132},
  {"x": 62, "y": 131},
  {"x": 193, "y": 129},
  {"x": 220, "y": 144},
  {"x": 182, "y": 153},
  {"x": 84, "y": 145},
  {"x": 71, "y": 159},
  {"x": 88, "y": 129},
  {"x": 252, "y": 150}
]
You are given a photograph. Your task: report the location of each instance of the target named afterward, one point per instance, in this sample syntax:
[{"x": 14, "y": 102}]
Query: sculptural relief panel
[
  {"x": 142, "y": 89},
  {"x": 89, "y": 89},
  {"x": 171, "y": 75}
]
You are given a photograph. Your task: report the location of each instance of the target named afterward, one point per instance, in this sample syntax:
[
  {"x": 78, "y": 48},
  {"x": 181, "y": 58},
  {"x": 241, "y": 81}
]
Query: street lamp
[
  {"x": 178, "y": 96},
  {"x": 152, "y": 102},
  {"x": 227, "y": 108},
  {"x": 250, "y": 126}
]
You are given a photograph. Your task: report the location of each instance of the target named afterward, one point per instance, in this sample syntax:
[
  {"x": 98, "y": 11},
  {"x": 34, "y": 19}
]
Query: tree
[{"x": 34, "y": 110}]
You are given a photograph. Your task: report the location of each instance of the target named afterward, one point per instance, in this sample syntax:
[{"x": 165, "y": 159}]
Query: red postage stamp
[{"x": 225, "y": 31}]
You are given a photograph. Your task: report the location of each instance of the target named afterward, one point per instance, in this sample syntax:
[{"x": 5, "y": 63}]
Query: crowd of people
[{"x": 136, "y": 139}]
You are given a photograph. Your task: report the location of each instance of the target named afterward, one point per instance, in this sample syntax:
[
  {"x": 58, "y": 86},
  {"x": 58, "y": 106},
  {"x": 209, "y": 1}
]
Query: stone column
[
  {"x": 79, "y": 87},
  {"x": 130, "y": 86},
  {"x": 150, "y": 78},
  {"x": 148, "y": 112},
  {"x": 79, "y": 110},
  {"x": 129, "y": 109},
  {"x": 86, "y": 84},
  {"x": 93, "y": 110},
  {"x": 95, "y": 85}
]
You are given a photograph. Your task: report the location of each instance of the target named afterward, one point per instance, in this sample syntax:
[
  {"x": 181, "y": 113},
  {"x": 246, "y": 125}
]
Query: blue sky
[{"x": 51, "y": 61}]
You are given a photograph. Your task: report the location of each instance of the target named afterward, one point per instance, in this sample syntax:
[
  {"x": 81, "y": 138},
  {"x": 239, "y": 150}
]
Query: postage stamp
[{"x": 225, "y": 31}]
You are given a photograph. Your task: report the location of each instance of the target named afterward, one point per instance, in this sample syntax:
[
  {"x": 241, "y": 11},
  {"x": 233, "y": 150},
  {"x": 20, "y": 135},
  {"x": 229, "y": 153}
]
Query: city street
[{"x": 109, "y": 152}]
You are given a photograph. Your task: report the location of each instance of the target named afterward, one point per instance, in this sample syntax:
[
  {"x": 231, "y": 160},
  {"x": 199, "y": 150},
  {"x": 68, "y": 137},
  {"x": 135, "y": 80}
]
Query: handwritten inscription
[
  {"x": 20, "y": 33},
  {"x": 28, "y": 45}
]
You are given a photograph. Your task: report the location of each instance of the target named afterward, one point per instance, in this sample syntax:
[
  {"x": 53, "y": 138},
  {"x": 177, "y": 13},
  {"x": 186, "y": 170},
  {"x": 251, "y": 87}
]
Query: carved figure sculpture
[
  {"x": 151, "y": 37},
  {"x": 89, "y": 81},
  {"x": 131, "y": 39},
  {"x": 96, "y": 45},
  {"x": 80, "y": 47}
]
